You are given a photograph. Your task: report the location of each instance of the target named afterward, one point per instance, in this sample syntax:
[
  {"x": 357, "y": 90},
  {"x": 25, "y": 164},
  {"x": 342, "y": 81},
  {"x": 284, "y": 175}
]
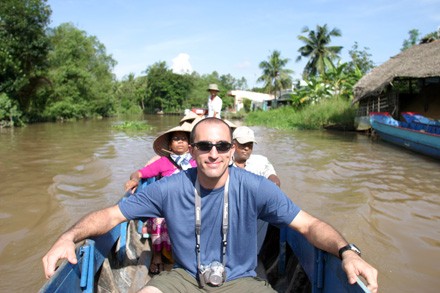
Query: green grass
[
  {"x": 132, "y": 126},
  {"x": 329, "y": 113}
]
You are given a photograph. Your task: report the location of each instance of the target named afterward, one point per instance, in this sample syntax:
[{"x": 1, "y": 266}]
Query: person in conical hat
[
  {"x": 172, "y": 147},
  {"x": 190, "y": 117},
  {"x": 232, "y": 125}
]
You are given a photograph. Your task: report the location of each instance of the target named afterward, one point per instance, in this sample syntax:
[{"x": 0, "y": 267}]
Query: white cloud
[{"x": 181, "y": 64}]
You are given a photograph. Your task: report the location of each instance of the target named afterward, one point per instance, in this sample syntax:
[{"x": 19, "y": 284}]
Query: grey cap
[{"x": 244, "y": 135}]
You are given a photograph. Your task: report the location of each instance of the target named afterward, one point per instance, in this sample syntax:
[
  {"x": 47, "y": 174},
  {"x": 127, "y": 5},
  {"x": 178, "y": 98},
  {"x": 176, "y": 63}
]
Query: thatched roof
[{"x": 419, "y": 61}]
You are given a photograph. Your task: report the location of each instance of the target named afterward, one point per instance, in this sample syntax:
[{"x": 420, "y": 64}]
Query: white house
[{"x": 259, "y": 100}]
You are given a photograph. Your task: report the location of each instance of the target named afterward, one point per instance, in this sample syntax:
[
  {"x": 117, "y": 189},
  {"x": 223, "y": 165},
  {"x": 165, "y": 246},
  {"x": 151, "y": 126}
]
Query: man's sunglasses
[{"x": 206, "y": 146}]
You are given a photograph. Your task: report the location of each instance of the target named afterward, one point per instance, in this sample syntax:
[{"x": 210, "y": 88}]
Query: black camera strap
[{"x": 198, "y": 210}]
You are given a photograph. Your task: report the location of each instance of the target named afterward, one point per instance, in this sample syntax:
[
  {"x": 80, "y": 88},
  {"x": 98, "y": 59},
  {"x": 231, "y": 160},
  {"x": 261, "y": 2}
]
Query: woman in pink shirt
[{"x": 172, "y": 147}]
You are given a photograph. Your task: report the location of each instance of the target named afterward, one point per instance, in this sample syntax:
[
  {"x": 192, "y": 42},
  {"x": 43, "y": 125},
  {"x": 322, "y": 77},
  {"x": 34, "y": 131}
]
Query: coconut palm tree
[
  {"x": 275, "y": 77},
  {"x": 318, "y": 50}
]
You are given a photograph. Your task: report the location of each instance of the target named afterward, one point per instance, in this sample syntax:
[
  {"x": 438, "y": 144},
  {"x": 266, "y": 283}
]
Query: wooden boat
[
  {"x": 413, "y": 135},
  {"x": 118, "y": 262}
]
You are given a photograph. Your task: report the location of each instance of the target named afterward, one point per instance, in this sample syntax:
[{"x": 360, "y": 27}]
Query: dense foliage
[
  {"x": 64, "y": 73},
  {"x": 24, "y": 46},
  {"x": 60, "y": 73},
  {"x": 80, "y": 74}
]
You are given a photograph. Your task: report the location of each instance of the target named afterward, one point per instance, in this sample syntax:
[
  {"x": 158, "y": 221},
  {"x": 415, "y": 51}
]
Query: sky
[{"x": 233, "y": 37}]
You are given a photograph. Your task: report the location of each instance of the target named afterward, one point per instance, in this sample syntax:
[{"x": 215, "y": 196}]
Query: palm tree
[
  {"x": 275, "y": 77},
  {"x": 317, "y": 49}
]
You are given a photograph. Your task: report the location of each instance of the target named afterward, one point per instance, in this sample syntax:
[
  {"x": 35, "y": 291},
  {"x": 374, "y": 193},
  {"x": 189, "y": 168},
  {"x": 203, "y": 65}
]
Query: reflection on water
[{"x": 380, "y": 197}]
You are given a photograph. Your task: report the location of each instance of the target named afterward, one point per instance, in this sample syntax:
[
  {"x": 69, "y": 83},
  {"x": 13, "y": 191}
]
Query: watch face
[{"x": 355, "y": 249}]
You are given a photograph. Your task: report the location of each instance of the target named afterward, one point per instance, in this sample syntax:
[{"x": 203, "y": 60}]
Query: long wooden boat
[
  {"x": 118, "y": 262},
  {"x": 413, "y": 135}
]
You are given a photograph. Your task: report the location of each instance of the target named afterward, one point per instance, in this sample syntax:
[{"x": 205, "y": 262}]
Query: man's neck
[
  {"x": 241, "y": 164},
  {"x": 212, "y": 183}
]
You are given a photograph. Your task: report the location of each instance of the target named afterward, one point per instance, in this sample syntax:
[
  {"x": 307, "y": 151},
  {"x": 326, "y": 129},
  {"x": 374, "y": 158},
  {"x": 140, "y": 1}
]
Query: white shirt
[
  {"x": 259, "y": 165},
  {"x": 215, "y": 105}
]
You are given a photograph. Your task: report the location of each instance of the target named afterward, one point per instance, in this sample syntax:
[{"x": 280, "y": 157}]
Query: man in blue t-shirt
[{"x": 222, "y": 204}]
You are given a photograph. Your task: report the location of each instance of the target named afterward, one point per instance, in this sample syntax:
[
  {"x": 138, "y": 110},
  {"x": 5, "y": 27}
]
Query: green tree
[
  {"x": 341, "y": 80},
  {"x": 166, "y": 90},
  {"x": 23, "y": 48},
  {"x": 9, "y": 113},
  {"x": 412, "y": 40},
  {"x": 317, "y": 48},
  {"x": 130, "y": 94},
  {"x": 315, "y": 90},
  {"x": 360, "y": 60},
  {"x": 81, "y": 76},
  {"x": 275, "y": 76}
]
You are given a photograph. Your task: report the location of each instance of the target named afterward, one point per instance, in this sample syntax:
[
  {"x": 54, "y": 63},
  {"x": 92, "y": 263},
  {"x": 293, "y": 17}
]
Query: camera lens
[{"x": 216, "y": 279}]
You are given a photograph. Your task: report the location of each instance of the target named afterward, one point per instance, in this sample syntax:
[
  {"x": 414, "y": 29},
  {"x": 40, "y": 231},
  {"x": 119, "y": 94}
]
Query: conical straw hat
[{"x": 162, "y": 143}]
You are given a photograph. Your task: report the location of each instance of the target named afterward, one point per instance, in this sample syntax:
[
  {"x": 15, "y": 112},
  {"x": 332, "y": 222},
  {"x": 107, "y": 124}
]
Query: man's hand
[
  {"x": 62, "y": 249},
  {"x": 354, "y": 266},
  {"x": 94, "y": 224}
]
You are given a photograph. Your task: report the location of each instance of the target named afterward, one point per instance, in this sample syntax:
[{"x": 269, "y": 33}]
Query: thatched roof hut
[
  {"x": 409, "y": 81},
  {"x": 420, "y": 61}
]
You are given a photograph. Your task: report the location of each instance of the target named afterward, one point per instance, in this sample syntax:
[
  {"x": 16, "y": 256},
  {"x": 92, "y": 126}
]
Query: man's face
[
  {"x": 213, "y": 163},
  {"x": 242, "y": 151},
  {"x": 213, "y": 93}
]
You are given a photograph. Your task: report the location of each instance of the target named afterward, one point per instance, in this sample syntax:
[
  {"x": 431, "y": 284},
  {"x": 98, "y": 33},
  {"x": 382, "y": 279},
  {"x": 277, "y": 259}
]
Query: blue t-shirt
[{"x": 251, "y": 197}]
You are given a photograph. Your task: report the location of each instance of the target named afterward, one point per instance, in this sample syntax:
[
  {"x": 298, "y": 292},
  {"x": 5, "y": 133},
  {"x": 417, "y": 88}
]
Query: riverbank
[{"x": 334, "y": 113}]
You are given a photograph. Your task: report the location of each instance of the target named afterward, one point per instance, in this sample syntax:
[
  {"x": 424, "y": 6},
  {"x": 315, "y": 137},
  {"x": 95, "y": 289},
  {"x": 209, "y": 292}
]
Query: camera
[{"x": 213, "y": 274}]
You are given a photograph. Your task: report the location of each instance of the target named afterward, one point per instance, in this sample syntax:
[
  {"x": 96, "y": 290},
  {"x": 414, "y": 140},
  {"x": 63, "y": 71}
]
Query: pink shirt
[{"x": 161, "y": 167}]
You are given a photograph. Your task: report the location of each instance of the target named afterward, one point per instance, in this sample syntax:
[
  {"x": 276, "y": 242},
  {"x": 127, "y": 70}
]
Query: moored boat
[
  {"x": 419, "y": 122},
  {"x": 411, "y": 134}
]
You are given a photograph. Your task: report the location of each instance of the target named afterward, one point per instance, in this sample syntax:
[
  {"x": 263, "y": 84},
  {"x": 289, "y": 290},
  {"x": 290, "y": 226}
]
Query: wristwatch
[{"x": 351, "y": 247}]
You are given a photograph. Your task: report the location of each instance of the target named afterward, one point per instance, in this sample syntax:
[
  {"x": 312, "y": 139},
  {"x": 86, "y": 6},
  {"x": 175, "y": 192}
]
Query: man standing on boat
[
  {"x": 200, "y": 203},
  {"x": 215, "y": 103}
]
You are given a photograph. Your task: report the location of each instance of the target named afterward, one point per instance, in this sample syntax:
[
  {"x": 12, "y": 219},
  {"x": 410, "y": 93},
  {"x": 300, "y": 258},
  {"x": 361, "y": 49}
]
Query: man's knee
[{"x": 149, "y": 289}]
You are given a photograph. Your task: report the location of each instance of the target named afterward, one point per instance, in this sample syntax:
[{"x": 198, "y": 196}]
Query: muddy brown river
[{"x": 383, "y": 198}]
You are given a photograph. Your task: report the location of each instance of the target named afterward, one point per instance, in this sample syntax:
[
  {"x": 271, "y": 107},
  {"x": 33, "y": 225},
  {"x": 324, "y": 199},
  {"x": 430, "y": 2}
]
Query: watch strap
[{"x": 351, "y": 247}]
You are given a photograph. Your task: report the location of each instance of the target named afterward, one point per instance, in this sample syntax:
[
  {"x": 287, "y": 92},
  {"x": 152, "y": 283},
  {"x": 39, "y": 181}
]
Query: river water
[{"x": 384, "y": 199}]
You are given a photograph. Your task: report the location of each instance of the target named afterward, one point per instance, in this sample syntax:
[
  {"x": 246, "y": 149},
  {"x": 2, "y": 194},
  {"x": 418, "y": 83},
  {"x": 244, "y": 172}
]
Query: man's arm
[
  {"x": 269, "y": 171},
  {"x": 325, "y": 237},
  {"x": 93, "y": 224}
]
